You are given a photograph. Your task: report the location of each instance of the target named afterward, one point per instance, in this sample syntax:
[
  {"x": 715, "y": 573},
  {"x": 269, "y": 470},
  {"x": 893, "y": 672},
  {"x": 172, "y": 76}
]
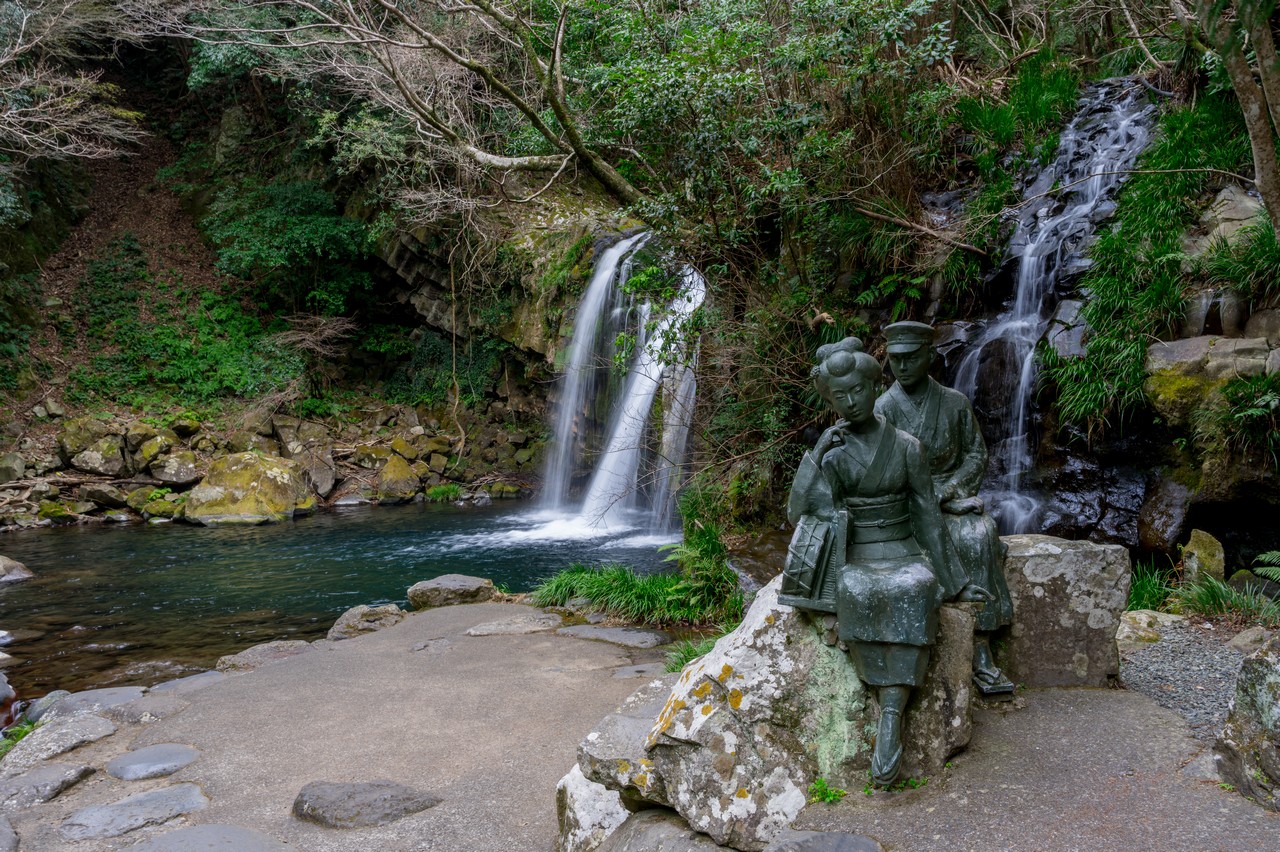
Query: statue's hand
[
  {"x": 964, "y": 506},
  {"x": 974, "y": 593},
  {"x": 830, "y": 438}
]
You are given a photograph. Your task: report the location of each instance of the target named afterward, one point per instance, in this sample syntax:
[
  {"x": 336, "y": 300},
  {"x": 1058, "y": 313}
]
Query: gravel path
[{"x": 1190, "y": 670}]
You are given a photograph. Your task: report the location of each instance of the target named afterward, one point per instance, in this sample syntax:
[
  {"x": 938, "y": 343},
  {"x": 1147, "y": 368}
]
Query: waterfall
[
  {"x": 582, "y": 368},
  {"x": 998, "y": 371},
  {"x": 613, "y": 499}
]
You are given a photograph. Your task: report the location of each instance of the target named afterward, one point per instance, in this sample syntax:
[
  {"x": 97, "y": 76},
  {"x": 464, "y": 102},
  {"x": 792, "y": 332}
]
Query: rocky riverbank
[{"x": 267, "y": 467}]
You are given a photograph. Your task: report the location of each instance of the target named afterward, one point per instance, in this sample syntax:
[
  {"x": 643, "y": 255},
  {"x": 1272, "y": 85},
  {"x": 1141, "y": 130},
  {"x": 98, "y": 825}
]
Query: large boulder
[
  {"x": 733, "y": 742},
  {"x": 587, "y": 812},
  {"x": 12, "y": 467},
  {"x": 1264, "y": 324},
  {"x": 104, "y": 457},
  {"x": 1067, "y": 601},
  {"x": 364, "y": 619},
  {"x": 318, "y": 468},
  {"x": 80, "y": 434},
  {"x": 246, "y": 488},
  {"x": 178, "y": 468},
  {"x": 1248, "y": 749},
  {"x": 397, "y": 482}
]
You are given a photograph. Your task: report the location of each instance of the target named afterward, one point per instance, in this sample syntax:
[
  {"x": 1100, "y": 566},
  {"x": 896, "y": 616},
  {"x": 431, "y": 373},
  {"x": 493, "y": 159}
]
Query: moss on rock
[{"x": 246, "y": 488}]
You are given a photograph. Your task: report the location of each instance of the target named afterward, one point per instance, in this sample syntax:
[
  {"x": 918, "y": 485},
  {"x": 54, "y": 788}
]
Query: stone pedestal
[{"x": 1067, "y": 600}]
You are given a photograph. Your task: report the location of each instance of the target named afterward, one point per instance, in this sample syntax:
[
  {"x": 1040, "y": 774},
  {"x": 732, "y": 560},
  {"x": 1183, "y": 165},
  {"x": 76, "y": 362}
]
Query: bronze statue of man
[
  {"x": 870, "y": 544},
  {"x": 942, "y": 420}
]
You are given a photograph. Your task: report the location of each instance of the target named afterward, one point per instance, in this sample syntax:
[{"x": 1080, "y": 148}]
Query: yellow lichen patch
[
  {"x": 742, "y": 793},
  {"x": 769, "y": 619},
  {"x": 702, "y": 690},
  {"x": 706, "y": 709},
  {"x": 624, "y": 768},
  {"x": 646, "y": 763},
  {"x": 642, "y": 780},
  {"x": 665, "y": 719},
  {"x": 725, "y": 671},
  {"x": 735, "y": 698}
]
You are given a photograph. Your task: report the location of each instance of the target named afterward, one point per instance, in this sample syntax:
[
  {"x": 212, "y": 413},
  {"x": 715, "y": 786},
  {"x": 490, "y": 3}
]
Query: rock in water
[
  {"x": 1203, "y": 555},
  {"x": 12, "y": 571},
  {"x": 1248, "y": 750},
  {"x": 246, "y": 488},
  {"x": 1067, "y": 600},
  {"x": 364, "y": 619},
  {"x": 359, "y": 805},
  {"x": 450, "y": 589}
]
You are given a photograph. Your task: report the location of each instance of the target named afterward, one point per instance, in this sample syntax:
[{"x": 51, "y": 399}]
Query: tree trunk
[{"x": 1266, "y": 168}]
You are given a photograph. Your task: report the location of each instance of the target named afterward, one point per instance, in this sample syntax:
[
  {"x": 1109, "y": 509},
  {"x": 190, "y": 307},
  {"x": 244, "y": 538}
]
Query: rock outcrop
[
  {"x": 246, "y": 488},
  {"x": 450, "y": 589},
  {"x": 1248, "y": 750}
]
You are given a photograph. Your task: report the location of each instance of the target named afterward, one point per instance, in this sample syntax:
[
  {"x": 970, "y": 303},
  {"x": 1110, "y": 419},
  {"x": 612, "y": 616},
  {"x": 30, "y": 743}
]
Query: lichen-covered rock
[
  {"x": 80, "y": 434},
  {"x": 1184, "y": 373},
  {"x": 104, "y": 457},
  {"x": 397, "y": 482},
  {"x": 1067, "y": 601},
  {"x": 1248, "y": 750},
  {"x": 364, "y": 619},
  {"x": 450, "y": 589},
  {"x": 160, "y": 442},
  {"x": 1203, "y": 555},
  {"x": 177, "y": 468},
  {"x": 318, "y": 468},
  {"x": 246, "y": 488},
  {"x": 657, "y": 830},
  {"x": 252, "y": 442},
  {"x": 13, "y": 571},
  {"x": 104, "y": 495},
  {"x": 587, "y": 812},
  {"x": 939, "y": 719}
]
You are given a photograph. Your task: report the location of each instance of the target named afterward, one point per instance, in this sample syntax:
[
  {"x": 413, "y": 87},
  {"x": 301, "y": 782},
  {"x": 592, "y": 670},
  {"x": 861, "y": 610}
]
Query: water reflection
[{"x": 114, "y": 606}]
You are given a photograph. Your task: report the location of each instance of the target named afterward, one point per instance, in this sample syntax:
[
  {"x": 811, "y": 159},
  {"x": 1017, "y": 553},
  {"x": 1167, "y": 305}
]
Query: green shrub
[
  {"x": 1248, "y": 416},
  {"x": 659, "y": 599},
  {"x": 1251, "y": 266},
  {"x": 14, "y": 735},
  {"x": 1149, "y": 587},
  {"x": 428, "y": 377}
]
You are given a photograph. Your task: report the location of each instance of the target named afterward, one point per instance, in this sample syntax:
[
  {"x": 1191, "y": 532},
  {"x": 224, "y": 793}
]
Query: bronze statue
[
  {"x": 942, "y": 420},
  {"x": 870, "y": 544}
]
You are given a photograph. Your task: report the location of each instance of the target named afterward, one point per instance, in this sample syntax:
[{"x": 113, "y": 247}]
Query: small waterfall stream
[
  {"x": 998, "y": 371},
  {"x": 616, "y": 498}
]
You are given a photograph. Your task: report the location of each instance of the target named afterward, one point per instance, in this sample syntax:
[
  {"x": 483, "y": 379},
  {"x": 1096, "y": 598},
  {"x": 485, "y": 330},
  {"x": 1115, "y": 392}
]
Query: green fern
[{"x": 1267, "y": 565}]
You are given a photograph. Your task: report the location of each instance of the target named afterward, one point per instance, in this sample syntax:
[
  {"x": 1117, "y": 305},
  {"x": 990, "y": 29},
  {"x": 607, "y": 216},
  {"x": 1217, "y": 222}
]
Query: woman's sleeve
[{"x": 927, "y": 523}]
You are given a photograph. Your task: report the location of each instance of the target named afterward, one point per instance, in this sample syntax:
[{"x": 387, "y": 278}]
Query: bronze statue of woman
[{"x": 896, "y": 565}]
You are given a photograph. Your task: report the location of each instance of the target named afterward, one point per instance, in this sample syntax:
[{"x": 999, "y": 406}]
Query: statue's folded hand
[
  {"x": 974, "y": 593},
  {"x": 963, "y": 506}
]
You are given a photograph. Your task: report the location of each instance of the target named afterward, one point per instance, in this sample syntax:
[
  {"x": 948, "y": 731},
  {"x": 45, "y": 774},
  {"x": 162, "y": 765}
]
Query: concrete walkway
[{"x": 489, "y": 724}]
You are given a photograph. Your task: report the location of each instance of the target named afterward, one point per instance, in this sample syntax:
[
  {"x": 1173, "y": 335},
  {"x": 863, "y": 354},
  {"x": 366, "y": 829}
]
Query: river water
[{"x": 113, "y": 606}]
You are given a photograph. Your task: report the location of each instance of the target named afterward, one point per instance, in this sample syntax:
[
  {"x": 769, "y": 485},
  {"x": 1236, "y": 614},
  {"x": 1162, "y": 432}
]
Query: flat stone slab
[
  {"x": 94, "y": 701},
  {"x": 41, "y": 784},
  {"x": 260, "y": 655},
  {"x": 53, "y": 739},
  {"x": 153, "y": 807},
  {"x": 154, "y": 761},
  {"x": 190, "y": 683},
  {"x": 450, "y": 589},
  {"x": 517, "y": 625},
  {"x": 628, "y": 637},
  {"x": 359, "y": 805},
  {"x": 213, "y": 838}
]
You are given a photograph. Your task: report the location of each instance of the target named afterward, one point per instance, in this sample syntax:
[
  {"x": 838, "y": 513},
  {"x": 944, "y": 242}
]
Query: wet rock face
[
  {"x": 1163, "y": 515},
  {"x": 1087, "y": 498},
  {"x": 1248, "y": 750}
]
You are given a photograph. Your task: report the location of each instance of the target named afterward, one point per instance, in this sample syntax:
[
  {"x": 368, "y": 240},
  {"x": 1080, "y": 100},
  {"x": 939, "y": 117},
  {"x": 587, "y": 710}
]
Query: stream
[{"x": 114, "y": 606}]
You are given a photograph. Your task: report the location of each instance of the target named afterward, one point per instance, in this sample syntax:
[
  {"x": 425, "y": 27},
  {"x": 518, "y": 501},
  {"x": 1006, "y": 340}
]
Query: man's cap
[{"x": 908, "y": 336}]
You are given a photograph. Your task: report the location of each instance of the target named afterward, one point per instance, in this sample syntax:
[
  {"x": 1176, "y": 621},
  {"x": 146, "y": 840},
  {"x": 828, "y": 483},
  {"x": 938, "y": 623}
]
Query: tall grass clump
[
  {"x": 1247, "y": 417},
  {"x": 1251, "y": 265},
  {"x": 1149, "y": 587},
  {"x": 621, "y": 592},
  {"x": 1210, "y": 597},
  {"x": 14, "y": 734},
  {"x": 1136, "y": 278}
]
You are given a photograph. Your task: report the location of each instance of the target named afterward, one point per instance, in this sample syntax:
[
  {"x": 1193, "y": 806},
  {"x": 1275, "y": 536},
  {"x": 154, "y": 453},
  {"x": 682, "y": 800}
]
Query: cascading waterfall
[
  {"x": 611, "y": 500},
  {"x": 582, "y": 368},
  {"x": 998, "y": 371}
]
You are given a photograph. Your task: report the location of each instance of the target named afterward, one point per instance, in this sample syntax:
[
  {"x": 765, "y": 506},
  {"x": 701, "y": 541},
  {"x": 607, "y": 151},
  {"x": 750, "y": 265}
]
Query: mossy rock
[
  {"x": 52, "y": 510},
  {"x": 104, "y": 457},
  {"x": 397, "y": 481},
  {"x": 162, "y": 508},
  {"x": 247, "y": 488},
  {"x": 1177, "y": 396},
  {"x": 372, "y": 456},
  {"x": 80, "y": 434},
  {"x": 155, "y": 446},
  {"x": 404, "y": 449}
]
